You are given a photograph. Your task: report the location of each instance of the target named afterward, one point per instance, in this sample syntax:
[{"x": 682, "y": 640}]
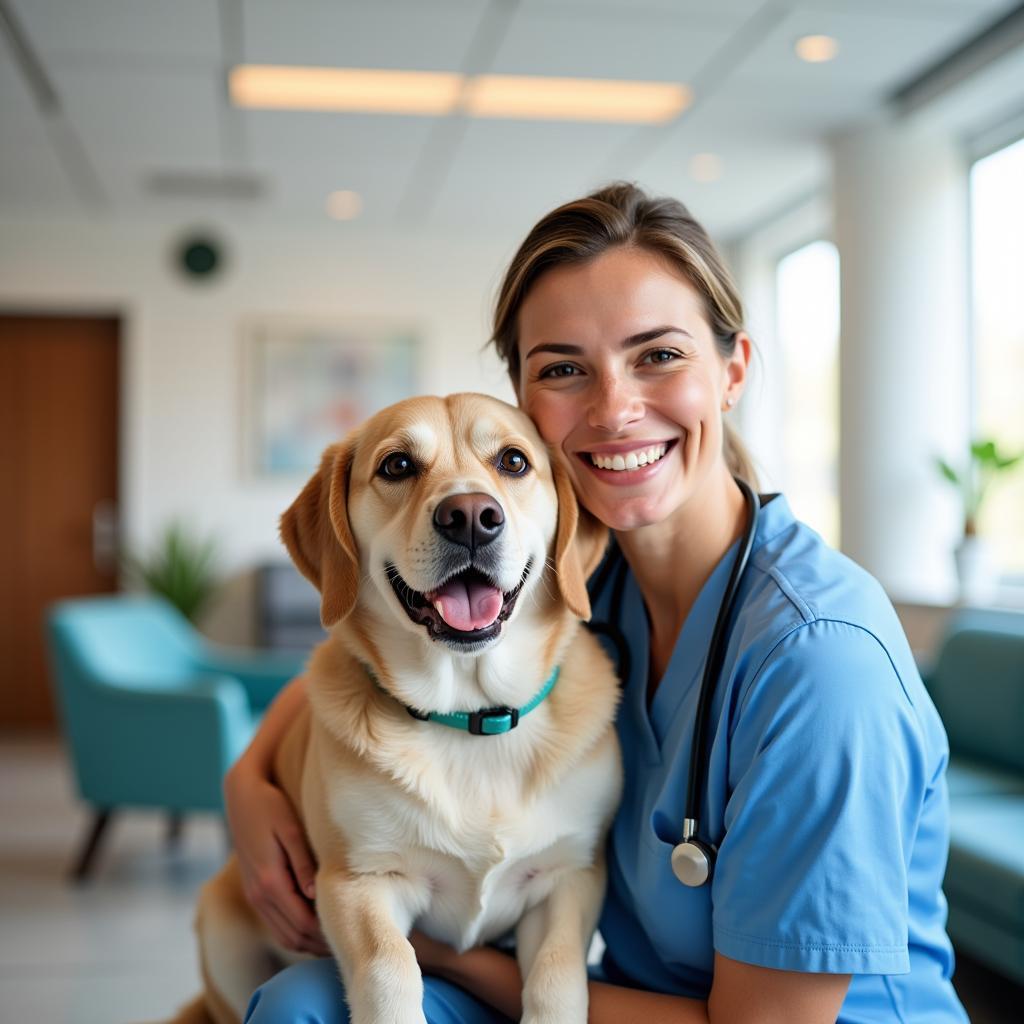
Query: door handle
[{"x": 105, "y": 533}]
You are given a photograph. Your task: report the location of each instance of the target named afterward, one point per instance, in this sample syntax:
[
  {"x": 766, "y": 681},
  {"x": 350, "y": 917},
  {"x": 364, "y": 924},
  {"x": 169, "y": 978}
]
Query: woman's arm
[
  {"x": 277, "y": 865},
  {"x": 740, "y": 994}
]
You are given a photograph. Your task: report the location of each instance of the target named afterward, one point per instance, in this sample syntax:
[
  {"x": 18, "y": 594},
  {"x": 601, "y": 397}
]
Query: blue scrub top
[{"x": 826, "y": 792}]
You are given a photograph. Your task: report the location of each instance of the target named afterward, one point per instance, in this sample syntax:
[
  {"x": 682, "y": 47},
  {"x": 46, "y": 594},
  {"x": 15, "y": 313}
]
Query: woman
[{"x": 825, "y": 790}]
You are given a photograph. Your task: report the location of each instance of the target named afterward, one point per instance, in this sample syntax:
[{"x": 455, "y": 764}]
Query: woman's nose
[{"x": 615, "y": 405}]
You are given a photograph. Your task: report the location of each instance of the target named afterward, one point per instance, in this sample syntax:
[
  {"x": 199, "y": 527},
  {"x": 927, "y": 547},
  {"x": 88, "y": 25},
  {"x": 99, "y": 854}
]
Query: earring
[{"x": 730, "y": 402}]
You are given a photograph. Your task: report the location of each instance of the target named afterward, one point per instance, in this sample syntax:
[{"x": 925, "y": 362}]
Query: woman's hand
[
  {"x": 433, "y": 957},
  {"x": 277, "y": 866}
]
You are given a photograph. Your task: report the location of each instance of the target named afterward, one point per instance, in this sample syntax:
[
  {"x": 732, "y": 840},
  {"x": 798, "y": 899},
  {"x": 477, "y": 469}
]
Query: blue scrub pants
[{"x": 310, "y": 993}]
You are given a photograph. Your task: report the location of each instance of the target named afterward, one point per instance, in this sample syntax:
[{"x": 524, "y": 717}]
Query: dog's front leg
[
  {"x": 551, "y": 945},
  {"x": 364, "y": 920}
]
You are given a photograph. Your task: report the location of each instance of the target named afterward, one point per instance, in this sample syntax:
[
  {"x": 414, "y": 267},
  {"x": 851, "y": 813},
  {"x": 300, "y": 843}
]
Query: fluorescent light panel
[
  {"x": 375, "y": 91},
  {"x": 574, "y": 99},
  {"x": 367, "y": 90}
]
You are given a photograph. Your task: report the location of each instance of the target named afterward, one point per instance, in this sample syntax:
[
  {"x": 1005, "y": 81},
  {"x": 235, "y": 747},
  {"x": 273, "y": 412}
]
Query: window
[
  {"x": 997, "y": 296},
  {"x": 807, "y": 289}
]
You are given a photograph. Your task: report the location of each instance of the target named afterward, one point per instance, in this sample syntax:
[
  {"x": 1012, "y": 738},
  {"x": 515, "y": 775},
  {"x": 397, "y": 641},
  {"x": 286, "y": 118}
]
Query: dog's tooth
[{"x": 642, "y": 459}]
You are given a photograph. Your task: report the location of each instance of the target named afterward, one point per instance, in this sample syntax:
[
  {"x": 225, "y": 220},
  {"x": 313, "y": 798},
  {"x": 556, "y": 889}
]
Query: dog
[{"x": 456, "y": 769}]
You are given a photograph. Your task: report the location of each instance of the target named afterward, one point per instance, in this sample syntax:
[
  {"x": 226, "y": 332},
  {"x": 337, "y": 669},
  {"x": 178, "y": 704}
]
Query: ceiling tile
[
  {"x": 511, "y": 172},
  {"x": 384, "y": 34},
  {"x": 128, "y": 30},
  {"x": 304, "y": 135},
  {"x": 606, "y": 43},
  {"x": 758, "y": 176},
  {"x": 699, "y": 10},
  {"x": 162, "y": 115},
  {"x": 19, "y": 113},
  {"x": 33, "y": 179},
  {"x": 878, "y": 51}
]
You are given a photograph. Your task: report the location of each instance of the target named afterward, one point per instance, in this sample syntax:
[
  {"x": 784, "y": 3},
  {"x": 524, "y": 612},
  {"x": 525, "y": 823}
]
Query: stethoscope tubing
[{"x": 615, "y": 562}]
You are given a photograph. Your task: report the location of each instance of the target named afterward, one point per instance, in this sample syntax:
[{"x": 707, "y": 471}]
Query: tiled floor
[
  {"x": 116, "y": 950},
  {"x": 120, "y": 949}
]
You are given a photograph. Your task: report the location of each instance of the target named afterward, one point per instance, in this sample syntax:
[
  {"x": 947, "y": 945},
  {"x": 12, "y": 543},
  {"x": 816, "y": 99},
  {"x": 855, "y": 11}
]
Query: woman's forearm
[
  {"x": 279, "y": 715},
  {"x": 493, "y": 977}
]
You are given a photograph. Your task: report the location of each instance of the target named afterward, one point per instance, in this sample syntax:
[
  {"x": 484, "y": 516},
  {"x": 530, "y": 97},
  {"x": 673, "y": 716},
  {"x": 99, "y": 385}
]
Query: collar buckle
[{"x": 493, "y": 721}]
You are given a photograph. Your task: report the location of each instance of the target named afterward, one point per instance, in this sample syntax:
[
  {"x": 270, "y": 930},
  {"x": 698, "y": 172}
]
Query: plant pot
[{"x": 975, "y": 571}]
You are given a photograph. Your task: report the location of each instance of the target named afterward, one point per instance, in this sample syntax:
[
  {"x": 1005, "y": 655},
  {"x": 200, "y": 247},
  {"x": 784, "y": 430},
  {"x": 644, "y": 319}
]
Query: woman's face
[{"x": 620, "y": 371}]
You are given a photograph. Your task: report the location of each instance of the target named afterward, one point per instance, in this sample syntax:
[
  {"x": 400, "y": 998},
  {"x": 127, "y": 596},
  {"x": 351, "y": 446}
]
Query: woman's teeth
[{"x": 630, "y": 460}]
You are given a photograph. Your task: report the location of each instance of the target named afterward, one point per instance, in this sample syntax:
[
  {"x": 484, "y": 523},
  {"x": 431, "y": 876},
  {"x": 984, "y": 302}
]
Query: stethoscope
[{"x": 693, "y": 859}]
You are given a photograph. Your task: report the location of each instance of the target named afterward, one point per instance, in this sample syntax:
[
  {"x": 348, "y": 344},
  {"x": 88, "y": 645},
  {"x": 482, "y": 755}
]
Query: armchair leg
[
  {"x": 88, "y": 850},
  {"x": 175, "y": 821}
]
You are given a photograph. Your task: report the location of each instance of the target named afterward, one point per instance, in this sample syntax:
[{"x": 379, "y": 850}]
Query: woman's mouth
[{"x": 631, "y": 466}]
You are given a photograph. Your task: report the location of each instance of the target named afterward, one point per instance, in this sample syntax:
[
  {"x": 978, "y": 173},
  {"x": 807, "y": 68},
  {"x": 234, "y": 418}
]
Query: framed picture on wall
[{"x": 308, "y": 381}]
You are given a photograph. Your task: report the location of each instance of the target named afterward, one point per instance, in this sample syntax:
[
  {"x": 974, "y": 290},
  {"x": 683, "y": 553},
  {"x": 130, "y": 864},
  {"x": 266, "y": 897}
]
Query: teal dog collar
[{"x": 487, "y": 721}]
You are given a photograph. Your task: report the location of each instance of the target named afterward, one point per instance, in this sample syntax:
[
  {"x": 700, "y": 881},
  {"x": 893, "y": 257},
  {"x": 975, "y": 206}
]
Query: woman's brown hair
[{"x": 621, "y": 214}]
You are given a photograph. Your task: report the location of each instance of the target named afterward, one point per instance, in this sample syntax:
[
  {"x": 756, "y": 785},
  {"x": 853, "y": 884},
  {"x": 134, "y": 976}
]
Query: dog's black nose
[{"x": 472, "y": 520}]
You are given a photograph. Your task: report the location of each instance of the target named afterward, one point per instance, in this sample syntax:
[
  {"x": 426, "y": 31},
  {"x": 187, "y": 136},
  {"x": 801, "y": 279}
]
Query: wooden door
[{"x": 58, "y": 476}]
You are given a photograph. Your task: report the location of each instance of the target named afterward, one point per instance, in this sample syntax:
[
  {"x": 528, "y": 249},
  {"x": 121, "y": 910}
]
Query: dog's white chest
[
  {"x": 476, "y": 899},
  {"x": 469, "y": 878}
]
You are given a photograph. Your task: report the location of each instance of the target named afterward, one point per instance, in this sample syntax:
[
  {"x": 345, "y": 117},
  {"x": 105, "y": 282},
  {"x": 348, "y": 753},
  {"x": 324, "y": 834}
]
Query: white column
[{"x": 900, "y": 207}]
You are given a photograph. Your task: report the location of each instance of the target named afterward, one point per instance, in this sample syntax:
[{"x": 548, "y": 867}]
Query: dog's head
[{"x": 445, "y": 513}]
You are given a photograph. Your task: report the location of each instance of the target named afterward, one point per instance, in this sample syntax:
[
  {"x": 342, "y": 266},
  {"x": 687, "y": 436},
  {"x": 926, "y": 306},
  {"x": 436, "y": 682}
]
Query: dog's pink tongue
[{"x": 467, "y": 605}]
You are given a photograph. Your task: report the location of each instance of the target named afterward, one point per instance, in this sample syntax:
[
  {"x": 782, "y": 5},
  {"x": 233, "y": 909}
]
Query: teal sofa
[
  {"x": 153, "y": 714},
  {"x": 977, "y": 684}
]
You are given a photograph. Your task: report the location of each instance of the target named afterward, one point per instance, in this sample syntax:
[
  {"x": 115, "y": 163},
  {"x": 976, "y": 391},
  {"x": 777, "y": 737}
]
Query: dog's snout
[{"x": 472, "y": 520}]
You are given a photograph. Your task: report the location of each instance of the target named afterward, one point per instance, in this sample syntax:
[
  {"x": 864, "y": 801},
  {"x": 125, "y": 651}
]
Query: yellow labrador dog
[{"x": 457, "y": 769}]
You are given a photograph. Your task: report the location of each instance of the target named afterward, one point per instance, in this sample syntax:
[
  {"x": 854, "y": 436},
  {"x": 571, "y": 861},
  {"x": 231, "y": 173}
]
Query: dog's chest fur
[{"x": 473, "y": 845}]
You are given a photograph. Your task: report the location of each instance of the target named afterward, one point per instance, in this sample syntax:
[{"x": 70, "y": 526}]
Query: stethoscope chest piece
[{"x": 691, "y": 863}]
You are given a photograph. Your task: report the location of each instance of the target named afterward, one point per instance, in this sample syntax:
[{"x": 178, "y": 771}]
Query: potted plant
[
  {"x": 181, "y": 568},
  {"x": 985, "y": 462}
]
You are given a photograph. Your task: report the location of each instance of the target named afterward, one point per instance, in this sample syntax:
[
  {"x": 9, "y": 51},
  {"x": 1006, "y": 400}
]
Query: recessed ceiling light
[
  {"x": 344, "y": 205},
  {"x": 816, "y": 49},
  {"x": 705, "y": 167},
  {"x": 574, "y": 99},
  {"x": 369, "y": 90}
]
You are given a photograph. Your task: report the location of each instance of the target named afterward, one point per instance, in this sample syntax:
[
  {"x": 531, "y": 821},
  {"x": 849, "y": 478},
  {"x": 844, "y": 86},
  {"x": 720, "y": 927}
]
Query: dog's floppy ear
[
  {"x": 318, "y": 536},
  {"x": 579, "y": 543}
]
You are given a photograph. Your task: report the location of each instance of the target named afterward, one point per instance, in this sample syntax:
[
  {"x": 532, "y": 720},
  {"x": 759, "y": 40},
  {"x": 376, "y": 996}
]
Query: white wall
[{"x": 181, "y": 416}]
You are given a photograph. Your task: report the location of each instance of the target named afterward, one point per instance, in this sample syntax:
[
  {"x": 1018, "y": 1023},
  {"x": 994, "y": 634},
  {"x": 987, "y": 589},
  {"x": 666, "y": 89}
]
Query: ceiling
[{"x": 141, "y": 90}]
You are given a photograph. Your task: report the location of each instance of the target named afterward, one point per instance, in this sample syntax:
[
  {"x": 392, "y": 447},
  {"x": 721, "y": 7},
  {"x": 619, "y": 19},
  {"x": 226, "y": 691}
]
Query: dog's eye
[
  {"x": 397, "y": 466},
  {"x": 513, "y": 461}
]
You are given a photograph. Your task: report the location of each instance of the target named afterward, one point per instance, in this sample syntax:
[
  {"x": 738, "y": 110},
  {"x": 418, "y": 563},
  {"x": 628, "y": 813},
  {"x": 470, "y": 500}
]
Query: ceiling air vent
[{"x": 204, "y": 185}]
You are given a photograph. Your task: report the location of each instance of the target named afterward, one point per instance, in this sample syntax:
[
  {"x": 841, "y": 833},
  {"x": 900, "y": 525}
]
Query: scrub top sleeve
[{"x": 826, "y": 776}]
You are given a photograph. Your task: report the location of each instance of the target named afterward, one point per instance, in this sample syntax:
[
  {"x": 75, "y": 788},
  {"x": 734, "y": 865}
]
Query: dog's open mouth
[{"x": 468, "y": 608}]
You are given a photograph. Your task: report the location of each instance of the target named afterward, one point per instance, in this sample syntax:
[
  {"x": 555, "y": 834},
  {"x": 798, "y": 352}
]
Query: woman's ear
[
  {"x": 317, "y": 533},
  {"x": 737, "y": 366},
  {"x": 580, "y": 541}
]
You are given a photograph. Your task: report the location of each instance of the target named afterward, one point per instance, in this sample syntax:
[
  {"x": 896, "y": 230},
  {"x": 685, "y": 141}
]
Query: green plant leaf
[
  {"x": 948, "y": 471},
  {"x": 181, "y": 568}
]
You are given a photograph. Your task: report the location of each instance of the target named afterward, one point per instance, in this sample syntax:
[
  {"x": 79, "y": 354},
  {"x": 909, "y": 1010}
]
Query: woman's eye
[
  {"x": 513, "y": 461},
  {"x": 662, "y": 355},
  {"x": 559, "y": 370},
  {"x": 397, "y": 466}
]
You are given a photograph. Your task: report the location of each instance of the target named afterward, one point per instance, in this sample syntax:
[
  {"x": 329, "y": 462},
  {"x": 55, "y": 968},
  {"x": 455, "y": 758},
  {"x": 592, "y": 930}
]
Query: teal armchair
[
  {"x": 977, "y": 684},
  {"x": 153, "y": 714}
]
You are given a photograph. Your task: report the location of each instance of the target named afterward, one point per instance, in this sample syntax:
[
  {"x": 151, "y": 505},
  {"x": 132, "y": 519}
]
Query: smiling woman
[{"x": 815, "y": 778}]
